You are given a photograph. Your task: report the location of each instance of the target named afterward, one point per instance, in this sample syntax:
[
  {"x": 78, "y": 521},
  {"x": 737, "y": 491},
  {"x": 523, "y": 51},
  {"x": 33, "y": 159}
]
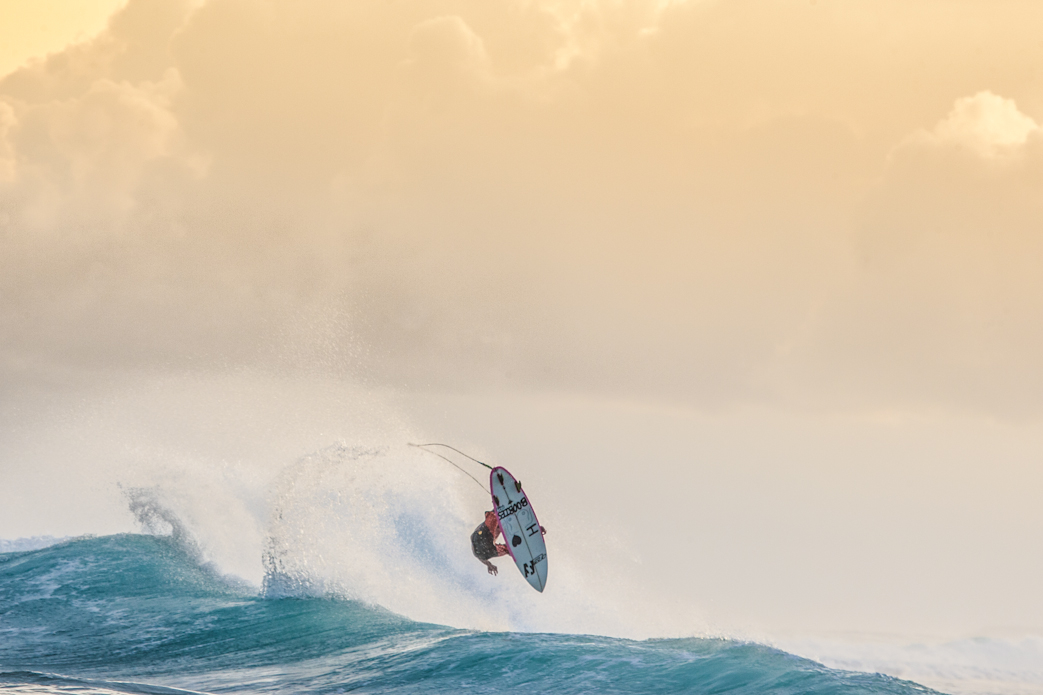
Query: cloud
[
  {"x": 448, "y": 42},
  {"x": 7, "y": 162},
  {"x": 948, "y": 300},
  {"x": 984, "y": 123},
  {"x": 705, "y": 202},
  {"x": 81, "y": 157}
]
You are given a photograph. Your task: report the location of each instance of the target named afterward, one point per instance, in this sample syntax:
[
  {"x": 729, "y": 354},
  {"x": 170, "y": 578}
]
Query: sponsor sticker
[
  {"x": 513, "y": 508},
  {"x": 530, "y": 567}
]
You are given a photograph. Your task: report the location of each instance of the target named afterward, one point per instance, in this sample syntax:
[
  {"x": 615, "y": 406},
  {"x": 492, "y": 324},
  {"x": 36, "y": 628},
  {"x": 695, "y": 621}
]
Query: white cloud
[{"x": 986, "y": 124}]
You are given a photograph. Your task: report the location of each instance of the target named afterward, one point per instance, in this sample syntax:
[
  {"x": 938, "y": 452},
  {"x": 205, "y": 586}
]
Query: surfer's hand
[
  {"x": 492, "y": 568},
  {"x": 543, "y": 531}
]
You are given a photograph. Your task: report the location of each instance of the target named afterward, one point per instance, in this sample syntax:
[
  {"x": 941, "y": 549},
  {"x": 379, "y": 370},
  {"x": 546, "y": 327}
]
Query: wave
[
  {"x": 32, "y": 682},
  {"x": 32, "y": 543},
  {"x": 140, "y": 613},
  {"x": 981, "y": 665}
]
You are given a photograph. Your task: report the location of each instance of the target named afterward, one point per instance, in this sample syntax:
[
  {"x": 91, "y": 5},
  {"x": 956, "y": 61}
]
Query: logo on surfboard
[
  {"x": 530, "y": 567},
  {"x": 513, "y": 508}
]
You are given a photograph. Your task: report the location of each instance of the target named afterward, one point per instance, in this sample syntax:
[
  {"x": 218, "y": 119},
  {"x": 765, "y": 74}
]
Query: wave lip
[{"x": 24, "y": 545}]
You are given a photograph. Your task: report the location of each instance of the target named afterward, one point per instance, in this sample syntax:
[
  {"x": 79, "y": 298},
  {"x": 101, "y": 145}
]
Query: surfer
[
  {"x": 529, "y": 550},
  {"x": 483, "y": 543}
]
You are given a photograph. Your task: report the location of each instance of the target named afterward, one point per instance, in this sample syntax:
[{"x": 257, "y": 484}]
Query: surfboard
[{"x": 520, "y": 527}]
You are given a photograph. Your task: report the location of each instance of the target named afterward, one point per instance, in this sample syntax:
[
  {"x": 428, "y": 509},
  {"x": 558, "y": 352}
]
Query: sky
[
  {"x": 786, "y": 254},
  {"x": 34, "y": 29}
]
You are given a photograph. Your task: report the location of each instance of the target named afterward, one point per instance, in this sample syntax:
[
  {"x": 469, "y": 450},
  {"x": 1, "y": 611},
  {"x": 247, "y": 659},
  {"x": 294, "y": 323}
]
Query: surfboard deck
[{"x": 520, "y": 527}]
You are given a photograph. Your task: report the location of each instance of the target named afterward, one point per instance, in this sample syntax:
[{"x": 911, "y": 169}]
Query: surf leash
[
  {"x": 457, "y": 451},
  {"x": 453, "y": 463}
]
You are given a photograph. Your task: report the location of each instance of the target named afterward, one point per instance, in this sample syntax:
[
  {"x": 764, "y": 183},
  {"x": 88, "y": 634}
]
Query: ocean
[
  {"x": 348, "y": 575},
  {"x": 137, "y": 613}
]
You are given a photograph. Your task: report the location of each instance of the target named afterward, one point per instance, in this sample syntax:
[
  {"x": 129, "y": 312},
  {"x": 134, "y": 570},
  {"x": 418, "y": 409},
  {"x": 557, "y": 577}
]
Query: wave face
[{"x": 140, "y": 614}]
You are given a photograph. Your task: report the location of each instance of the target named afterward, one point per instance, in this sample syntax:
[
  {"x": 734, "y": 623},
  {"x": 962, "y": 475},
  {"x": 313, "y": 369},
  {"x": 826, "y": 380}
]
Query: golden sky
[
  {"x": 33, "y": 28},
  {"x": 704, "y": 202}
]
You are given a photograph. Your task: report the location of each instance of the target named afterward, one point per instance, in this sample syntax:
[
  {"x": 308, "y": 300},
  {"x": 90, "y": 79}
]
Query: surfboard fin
[
  {"x": 517, "y": 485},
  {"x": 496, "y": 500}
]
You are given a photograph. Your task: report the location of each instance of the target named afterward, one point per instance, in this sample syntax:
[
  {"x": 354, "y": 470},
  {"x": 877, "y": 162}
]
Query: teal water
[{"x": 137, "y": 613}]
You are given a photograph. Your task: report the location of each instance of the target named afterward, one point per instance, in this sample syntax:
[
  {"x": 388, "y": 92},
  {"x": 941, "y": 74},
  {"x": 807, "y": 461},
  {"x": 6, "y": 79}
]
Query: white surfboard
[{"x": 520, "y": 527}]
